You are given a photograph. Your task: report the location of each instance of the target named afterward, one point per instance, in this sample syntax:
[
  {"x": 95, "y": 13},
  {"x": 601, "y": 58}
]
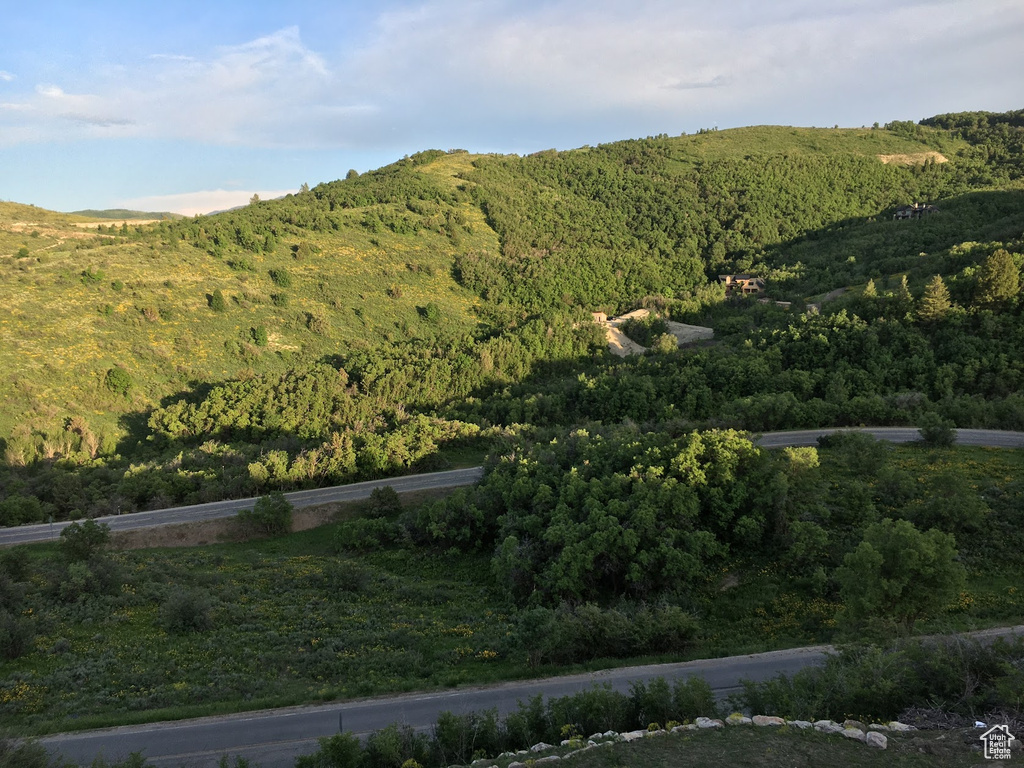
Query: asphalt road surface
[
  {"x": 26, "y": 534},
  {"x": 991, "y": 438},
  {"x": 274, "y": 738}
]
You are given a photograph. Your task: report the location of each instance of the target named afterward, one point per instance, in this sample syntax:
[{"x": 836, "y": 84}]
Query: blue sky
[{"x": 194, "y": 106}]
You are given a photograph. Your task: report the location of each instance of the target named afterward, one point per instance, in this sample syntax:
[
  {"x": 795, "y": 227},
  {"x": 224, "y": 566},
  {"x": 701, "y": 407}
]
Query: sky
[{"x": 191, "y": 106}]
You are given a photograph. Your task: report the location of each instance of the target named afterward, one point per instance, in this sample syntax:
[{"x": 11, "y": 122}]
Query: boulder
[
  {"x": 764, "y": 720},
  {"x": 854, "y": 724},
  {"x": 876, "y": 739},
  {"x": 899, "y": 727},
  {"x": 541, "y": 747},
  {"x": 803, "y": 725},
  {"x": 737, "y": 719},
  {"x": 878, "y": 727},
  {"x": 707, "y": 722},
  {"x": 853, "y": 733},
  {"x": 548, "y": 759},
  {"x": 633, "y": 735},
  {"x": 827, "y": 726}
]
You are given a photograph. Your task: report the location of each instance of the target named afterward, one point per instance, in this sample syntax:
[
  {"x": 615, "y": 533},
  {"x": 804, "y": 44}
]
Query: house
[
  {"x": 915, "y": 211},
  {"x": 743, "y": 284},
  {"x": 599, "y": 317}
]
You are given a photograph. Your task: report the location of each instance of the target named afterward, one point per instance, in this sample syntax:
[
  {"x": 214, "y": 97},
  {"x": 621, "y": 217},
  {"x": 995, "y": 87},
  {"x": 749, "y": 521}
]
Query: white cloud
[
  {"x": 531, "y": 74},
  {"x": 203, "y": 201},
  {"x": 6, "y": 76}
]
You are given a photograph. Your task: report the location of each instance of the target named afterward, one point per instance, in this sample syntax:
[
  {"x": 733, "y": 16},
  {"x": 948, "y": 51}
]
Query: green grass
[
  {"x": 777, "y": 139},
  {"x": 781, "y": 748}
]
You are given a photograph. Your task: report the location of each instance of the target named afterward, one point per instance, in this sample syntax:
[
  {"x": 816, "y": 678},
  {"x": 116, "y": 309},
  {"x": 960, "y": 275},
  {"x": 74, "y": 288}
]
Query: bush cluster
[{"x": 462, "y": 738}]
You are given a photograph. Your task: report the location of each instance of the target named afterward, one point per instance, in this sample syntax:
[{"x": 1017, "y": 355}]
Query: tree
[
  {"x": 870, "y": 291},
  {"x": 259, "y": 336},
  {"x": 217, "y": 303},
  {"x": 904, "y": 300},
  {"x": 254, "y": 199},
  {"x": 935, "y": 303},
  {"x": 352, "y": 173},
  {"x": 999, "y": 280},
  {"x": 898, "y": 575},
  {"x": 304, "y": 188}
]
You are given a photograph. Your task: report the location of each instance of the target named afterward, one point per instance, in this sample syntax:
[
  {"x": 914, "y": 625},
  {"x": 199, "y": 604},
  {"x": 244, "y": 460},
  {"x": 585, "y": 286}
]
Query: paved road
[
  {"x": 216, "y": 509},
  {"x": 992, "y": 438},
  {"x": 274, "y": 738}
]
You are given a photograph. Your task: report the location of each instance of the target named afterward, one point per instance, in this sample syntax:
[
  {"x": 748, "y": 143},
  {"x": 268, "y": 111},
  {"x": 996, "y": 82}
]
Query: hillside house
[
  {"x": 915, "y": 211},
  {"x": 600, "y": 317},
  {"x": 742, "y": 284}
]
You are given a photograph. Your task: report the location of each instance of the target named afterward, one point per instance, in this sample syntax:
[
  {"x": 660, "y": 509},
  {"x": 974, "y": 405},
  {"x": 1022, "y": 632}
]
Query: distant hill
[{"x": 122, "y": 213}]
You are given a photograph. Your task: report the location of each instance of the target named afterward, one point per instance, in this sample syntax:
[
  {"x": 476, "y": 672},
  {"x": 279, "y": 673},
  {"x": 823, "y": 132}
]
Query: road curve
[
  {"x": 213, "y": 510},
  {"x": 455, "y": 478},
  {"x": 274, "y": 738}
]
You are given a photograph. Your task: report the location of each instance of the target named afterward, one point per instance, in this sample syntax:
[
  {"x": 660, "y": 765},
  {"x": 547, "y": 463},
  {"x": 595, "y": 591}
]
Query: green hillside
[{"x": 452, "y": 286}]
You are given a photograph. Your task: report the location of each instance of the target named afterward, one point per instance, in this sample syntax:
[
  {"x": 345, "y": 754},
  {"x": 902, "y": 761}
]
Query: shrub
[
  {"x": 259, "y": 336},
  {"x": 16, "y": 635},
  {"x": 217, "y": 303},
  {"x": 185, "y": 611},
  {"x": 80, "y": 542},
  {"x": 118, "y": 381},
  {"x": 393, "y": 746},
  {"x": 279, "y": 299},
  {"x": 431, "y": 313},
  {"x": 384, "y": 502},
  {"x": 936, "y": 431},
  {"x": 457, "y": 738},
  {"x": 342, "y": 750},
  {"x": 271, "y": 515},
  {"x": 364, "y": 534},
  {"x": 281, "y": 277}
]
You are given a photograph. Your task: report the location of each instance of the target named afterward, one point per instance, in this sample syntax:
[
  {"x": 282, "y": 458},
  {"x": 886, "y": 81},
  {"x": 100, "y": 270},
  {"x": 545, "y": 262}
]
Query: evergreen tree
[
  {"x": 870, "y": 291},
  {"x": 217, "y": 303},
  {"x": 903, "y": 301},
  {"x": 1000, "y": 279},
  {"x": 935, "y": 303}
]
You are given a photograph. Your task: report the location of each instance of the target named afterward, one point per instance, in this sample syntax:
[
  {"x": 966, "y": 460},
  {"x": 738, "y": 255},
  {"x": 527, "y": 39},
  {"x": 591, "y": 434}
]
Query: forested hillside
[{"x": 398, "y": 319}]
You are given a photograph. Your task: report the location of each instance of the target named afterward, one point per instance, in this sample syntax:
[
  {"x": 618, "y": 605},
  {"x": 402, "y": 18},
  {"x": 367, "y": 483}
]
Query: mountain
[
  {"x": 122, "y": 214},
  {"x": 453, "y": 287}
]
